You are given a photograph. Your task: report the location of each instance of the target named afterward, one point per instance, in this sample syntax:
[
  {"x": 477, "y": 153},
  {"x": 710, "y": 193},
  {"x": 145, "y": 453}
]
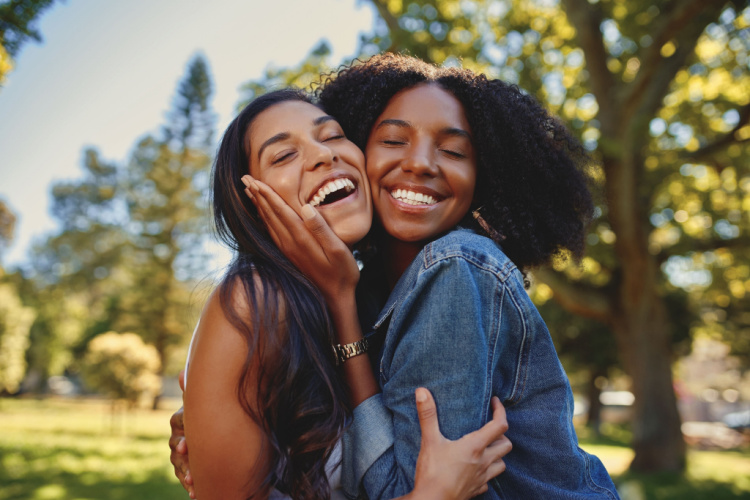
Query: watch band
[{"x": 346, "y": 351}]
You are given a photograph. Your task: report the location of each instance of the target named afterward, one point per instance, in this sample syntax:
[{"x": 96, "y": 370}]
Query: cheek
[
  {"x": 374, "y": 170},
  {"x": 286, "y": 186}
]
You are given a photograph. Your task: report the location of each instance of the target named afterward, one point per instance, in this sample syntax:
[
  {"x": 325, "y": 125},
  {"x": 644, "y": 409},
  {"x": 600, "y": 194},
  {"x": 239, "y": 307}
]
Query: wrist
[{"x": 347, "y": 351}]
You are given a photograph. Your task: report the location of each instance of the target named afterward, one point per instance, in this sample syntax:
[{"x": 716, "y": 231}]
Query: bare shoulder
[{"x": 226, "y": 445}]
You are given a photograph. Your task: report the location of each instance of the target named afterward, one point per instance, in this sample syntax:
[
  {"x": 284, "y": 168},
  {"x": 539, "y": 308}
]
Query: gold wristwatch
[{"x": 346, "y": 351}]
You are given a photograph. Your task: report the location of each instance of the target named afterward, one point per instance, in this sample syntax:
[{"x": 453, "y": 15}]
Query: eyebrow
[
  {"x": 273, "y": 140},
  {"x": 285, "y": 135},
  {"x": 405, "y": 124}
]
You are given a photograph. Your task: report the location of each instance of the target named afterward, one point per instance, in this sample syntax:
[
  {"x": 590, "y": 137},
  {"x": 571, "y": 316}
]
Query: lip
[{"x": 333, "y": 177}]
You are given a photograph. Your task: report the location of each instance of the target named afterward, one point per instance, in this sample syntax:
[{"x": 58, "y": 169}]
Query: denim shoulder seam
[
  {"x": 496, "y": 320},
  {"x": 590, "y": 480},
  {"x": 524, "y": 352},
  {"x": 432, "y": 257}
]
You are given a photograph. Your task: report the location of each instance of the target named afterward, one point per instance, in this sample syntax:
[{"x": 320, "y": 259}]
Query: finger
[
  {"x": 181, "y": 447},
  {"x": 246, "y": 181},
  {"x": 480, "y": 490},
  {"x": 176, "y": 422},
  {"x": 188, "y": 477},
  {"x": 497, "y": 450},
  {"x": 495, "y": 469},
  {"x": 428, "y": 421},
  {"x": 498, "y": 412},
  {"x": 495, "y": 428},
  {"x": 268, "y": 214},
  {"x": 181, "y": 380},
  {"x": 317, "y": 225},
  {"x": 280, "y": 219}
]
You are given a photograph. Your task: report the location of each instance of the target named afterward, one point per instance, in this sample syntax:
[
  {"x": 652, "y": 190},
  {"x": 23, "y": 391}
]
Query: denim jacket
[{"x": 460, "y": 323}]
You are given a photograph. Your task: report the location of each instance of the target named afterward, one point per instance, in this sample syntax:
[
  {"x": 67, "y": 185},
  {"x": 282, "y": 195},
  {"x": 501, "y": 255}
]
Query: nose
[
  {"x": 420, "y": 160},
  {"x": 321, "y": 155}
]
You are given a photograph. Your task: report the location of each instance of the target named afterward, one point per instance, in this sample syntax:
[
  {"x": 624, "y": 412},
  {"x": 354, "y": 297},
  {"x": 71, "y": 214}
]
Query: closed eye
[
  {"x": 453, "y": 154},
  {"x": 393, "y": 143},
  {"x": 334, "y": 137},
  {"x": 283, "y": 157}
]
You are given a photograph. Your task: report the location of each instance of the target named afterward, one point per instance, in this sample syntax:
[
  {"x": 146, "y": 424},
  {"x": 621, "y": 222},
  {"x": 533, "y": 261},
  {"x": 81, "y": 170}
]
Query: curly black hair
[{"x": 531, "y": 193}]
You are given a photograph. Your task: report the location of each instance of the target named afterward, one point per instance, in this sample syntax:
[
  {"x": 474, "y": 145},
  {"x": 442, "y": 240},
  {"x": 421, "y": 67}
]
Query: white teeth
[
  {"x": 331, "y": 187},
  {"x": 412, "y": 197}
]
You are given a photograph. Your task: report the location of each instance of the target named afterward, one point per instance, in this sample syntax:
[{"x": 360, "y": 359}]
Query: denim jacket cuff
[{"x": 365, "y": 440}]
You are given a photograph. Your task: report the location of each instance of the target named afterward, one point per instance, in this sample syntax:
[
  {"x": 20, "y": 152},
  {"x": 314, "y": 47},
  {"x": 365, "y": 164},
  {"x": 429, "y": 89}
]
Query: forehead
[
  {"x": 286, "y": 116},
  {"x": 426, "y": 104}
]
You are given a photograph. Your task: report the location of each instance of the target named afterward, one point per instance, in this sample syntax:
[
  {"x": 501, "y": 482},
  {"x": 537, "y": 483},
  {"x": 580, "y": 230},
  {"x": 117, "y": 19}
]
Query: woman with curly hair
[
  {"x": 265, "y": 405},
  {"x": 473, "y": 183}
]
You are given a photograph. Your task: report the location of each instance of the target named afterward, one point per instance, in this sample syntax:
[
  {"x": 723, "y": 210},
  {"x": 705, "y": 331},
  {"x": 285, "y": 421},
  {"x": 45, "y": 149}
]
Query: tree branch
[
  {"x": 587, "y": 18},
  {"x": 390, "y": 20},
  {"x": 684, "y": 23},
  {"x": 576, "y": 298},
  {"x": 710, "y": 149}
]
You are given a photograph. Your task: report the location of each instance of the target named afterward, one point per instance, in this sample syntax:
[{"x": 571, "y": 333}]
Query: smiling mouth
[
  {"x": 332, "y": 191},
  {"x": 412, "y": 197}
]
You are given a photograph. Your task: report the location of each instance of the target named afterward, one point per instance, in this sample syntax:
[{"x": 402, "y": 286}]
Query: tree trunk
[
  {"x": 644, "y": 341},
  {"x": 593, "y": 418}
]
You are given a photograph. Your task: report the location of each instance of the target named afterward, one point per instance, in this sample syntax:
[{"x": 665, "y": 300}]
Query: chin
[{"x": 352, "y": 232}]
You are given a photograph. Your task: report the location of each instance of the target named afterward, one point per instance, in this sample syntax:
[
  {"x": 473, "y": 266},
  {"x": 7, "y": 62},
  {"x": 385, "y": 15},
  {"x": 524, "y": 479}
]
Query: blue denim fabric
[{"x": 460, "y": 323}]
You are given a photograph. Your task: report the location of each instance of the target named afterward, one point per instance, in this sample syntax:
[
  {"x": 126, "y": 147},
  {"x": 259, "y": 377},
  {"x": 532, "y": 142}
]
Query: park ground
[{"x": 56, "y": 449}]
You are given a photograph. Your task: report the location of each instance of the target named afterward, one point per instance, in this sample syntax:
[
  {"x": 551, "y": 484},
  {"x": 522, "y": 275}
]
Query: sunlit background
[
  {"x": 106, "y": 255},
  {"x": 106, "y": 72}
]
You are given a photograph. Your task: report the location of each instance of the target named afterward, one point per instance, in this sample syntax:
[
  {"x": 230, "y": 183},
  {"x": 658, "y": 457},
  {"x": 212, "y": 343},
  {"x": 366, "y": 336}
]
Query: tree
[
  {"x": 131, "y": 240},
  {"x": 122, "y": 366},
  {"x": 15, "y": 323},
  {"x": 167, "y": 181},
  {"x": 7, "y": 225},
  {"x": 16, "y": 27},
  {"x": 659, "y": 92}
]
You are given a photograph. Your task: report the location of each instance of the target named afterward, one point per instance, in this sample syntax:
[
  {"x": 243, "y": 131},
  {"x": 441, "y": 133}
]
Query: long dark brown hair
[{"x": 301, "y": 402}]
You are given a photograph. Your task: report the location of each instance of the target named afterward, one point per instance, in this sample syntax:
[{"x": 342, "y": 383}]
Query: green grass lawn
[
  {"x": 56, "y": 449},
  {"x": 62, "y": 449},
  {"x": 710, "y": 475}
]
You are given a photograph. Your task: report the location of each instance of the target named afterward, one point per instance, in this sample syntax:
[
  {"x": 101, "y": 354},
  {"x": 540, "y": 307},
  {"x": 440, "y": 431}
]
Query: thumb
[
  {"x": 320, "y": 229},
  {"x": 428, "y": 421}
]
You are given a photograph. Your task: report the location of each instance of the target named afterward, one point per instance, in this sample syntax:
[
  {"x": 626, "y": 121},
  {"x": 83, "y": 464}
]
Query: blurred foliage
[
  {"x": 7, "y": 225},
  {"x": 6, "y": 63},
  {"x": 15, "y": 323},
  {"x": 16, "y": 27},
  {"x": 131, "y": 243},
  {"x": 122, "y": 366},
  {"x": 306, "y": 74}
]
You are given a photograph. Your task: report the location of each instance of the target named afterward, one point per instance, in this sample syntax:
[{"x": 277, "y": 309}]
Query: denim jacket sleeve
[{"x": 445, "y": 334}]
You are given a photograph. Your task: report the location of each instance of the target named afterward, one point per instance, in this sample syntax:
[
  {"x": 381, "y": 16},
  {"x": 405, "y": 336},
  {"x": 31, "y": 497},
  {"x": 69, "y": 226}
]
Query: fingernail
[
  {"x": 308, "y": 212},
  {"x": 421, "y": 395},
  {"x": 246, "y": 180},
  {"x": 249, "y": 193}
]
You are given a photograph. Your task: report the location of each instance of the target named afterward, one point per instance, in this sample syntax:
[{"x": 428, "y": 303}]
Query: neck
[{"x": 397, "y": 255}]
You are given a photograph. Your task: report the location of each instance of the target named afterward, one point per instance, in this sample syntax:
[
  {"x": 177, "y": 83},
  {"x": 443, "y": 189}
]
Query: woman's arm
[
  {"x": 227, "y": 456},
  {"x": 311, "y": 245},
  {"x": 445, "y": 469}
]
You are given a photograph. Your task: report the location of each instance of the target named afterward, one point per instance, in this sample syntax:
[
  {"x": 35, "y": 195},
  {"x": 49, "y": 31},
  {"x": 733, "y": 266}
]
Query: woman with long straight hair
[{"x": 265, "y": 404}]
